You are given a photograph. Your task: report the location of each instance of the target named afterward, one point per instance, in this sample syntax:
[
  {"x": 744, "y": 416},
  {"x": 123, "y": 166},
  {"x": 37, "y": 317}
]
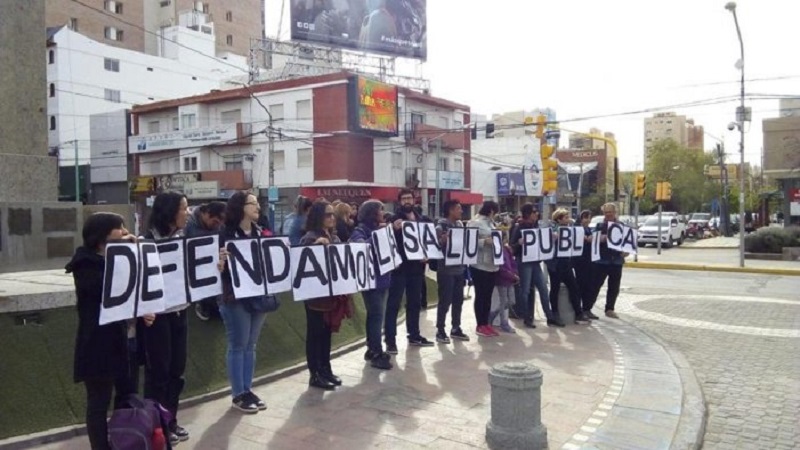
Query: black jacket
[{"x": 100, "y": 351}]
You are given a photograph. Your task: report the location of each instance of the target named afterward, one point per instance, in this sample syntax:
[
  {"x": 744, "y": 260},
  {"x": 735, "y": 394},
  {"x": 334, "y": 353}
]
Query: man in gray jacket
[{"x": 450, "y": 279}]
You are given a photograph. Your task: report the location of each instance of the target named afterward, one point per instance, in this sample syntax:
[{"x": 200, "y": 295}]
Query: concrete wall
[
  {"x": 33, "y": 232},
  {"x": 26, "y": 172}
]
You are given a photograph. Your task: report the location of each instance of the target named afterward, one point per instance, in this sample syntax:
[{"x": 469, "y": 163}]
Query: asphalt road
[{"x": 740, "y": 334}]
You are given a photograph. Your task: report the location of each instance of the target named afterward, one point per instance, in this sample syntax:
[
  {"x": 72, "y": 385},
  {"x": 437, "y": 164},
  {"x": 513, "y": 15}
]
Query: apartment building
[
  {"x": 669, "y": 125},
  {"x": 317, "y": 136},
  {"x": 136, "y": 24}
]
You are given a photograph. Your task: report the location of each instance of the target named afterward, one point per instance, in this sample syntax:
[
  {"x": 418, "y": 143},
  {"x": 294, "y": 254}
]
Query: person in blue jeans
[
  {"x": 449, "y": 279},
  {"x": 408, "y": 279},
  {"x": 530, "y": 273},
  {"x": 370, "y": 218},
  {"x": 242, "y": 327}
]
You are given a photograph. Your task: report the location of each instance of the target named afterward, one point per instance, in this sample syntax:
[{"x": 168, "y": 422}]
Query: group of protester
[{"x": 107, "y": 357}]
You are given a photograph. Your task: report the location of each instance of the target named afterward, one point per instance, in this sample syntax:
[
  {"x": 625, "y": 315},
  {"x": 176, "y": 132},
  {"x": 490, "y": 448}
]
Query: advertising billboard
[
  {"x": 391, "y": 27},
  {"x": 373, "y": 107},
  {"x": 511, "y": 183}
]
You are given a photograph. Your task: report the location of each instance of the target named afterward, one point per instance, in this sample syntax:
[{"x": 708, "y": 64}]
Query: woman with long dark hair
[
  {"x": 165, "y": 340},
  {"x": 104, "y": 360},
  {"x": 483, "y": 273},
  {"x": 320, "y": 225},
  {"x": 242, "y": 326}
]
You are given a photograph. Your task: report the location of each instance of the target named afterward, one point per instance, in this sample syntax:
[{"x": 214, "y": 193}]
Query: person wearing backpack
[{"x": 105, "y": 357}]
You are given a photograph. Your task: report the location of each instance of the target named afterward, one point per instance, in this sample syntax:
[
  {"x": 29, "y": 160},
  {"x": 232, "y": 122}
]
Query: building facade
[
  {"x": 306, "y": 139},
  {"x": 782, "y": 161},
  {"x": 85, "y": 77},
  {"x": 668, "y": 125},
  {"x": 122, "y": 23}
]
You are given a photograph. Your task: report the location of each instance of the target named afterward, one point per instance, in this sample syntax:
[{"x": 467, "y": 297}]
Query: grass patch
[{"x": 36, "y": 360}]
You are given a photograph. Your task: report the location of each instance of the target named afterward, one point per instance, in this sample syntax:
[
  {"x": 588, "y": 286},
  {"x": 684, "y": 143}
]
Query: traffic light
[
  {"x": 666, "y": 191},
  {"x": 540, "y": 123},
  {"x": 641, "y": 185},
  {"x": 663, "y": 191},
  {"x": 549, "y": 169}
]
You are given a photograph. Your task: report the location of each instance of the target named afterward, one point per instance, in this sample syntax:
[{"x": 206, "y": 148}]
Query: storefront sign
[
  {"x": 511, "y": 183},
  {"x": 201, "y": 189},
  {"x": 176, "y": 181},
  {"x": 183, "y": 139},
  {"x": 447, "y": 180}
]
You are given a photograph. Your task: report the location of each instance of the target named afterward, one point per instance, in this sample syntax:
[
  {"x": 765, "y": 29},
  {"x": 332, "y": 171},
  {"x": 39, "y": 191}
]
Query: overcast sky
[{"x": 599, "y": 57}]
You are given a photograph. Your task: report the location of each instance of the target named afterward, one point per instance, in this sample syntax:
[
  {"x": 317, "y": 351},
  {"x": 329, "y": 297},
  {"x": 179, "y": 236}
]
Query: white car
[{"x": 673, "y": 231}]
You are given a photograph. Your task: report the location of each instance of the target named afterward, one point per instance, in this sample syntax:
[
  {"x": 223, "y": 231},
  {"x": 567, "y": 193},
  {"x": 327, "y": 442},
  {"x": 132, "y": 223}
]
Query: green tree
[{"x": 684, "y": 169}]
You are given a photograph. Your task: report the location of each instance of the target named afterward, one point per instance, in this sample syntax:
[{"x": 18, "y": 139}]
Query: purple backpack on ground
[{"x": 142, "y": 425}]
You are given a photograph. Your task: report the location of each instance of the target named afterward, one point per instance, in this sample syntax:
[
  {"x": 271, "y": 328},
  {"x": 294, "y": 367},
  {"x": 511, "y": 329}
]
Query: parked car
[{"x": 673, "y": 231}]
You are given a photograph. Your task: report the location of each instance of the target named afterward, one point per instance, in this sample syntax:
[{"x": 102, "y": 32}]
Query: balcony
[
  {"x": 235, "y": 180},
  {"x": 416, "y": 133},
  {"x": 230, "y": 134}
]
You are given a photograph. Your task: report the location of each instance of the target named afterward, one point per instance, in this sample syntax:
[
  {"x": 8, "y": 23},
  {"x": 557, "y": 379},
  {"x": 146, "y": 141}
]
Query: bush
[{"x": 772, "y": 239}]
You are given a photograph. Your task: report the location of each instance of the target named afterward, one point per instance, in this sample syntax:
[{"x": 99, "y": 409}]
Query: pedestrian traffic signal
[
  {"x": 540, "y": 123},
  {"x": 549, "y": 169},
  {"x": 663, "y": 191},
  {"x": 641, "y": 185}
]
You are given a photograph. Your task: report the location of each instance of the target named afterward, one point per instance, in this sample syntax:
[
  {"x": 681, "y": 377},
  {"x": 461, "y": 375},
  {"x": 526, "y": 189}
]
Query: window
[
  {"x": 153, "y": 127},
  {"x": 457, "y": 124},
  {"x": 113, "y": 6},
  {"x": 112, "y": 95},
  {"x": 190, "y": 164},
  {"x": 52, "y": 122},
  {"x": 229, "y": 16},
  {"x": 202, "y": 7},
  {"x": 304, "y": 158},
  {"x": 165, "y": 3},
  {"x": 188, "y": 121},
  {"x": 417, "y": 118},
  {"x": 458, "y": 165},
  {"x": 111, "y": 65},
  {"x": 113, "y": 34},
  {"x": 397, "y": 160},
  {"x": 229, "y": 39},
  {"x": 73, "y": 24},
  {"x": 175, "y": 126},
  {"x": 303, "y": 109},
  {"x": 280, "y": 160},
  {"x": 234, "y": 165},
  {"x": 52, "y": 89},
  {"x": 233, "y": 116},
  {"x": 443, "y": 163},
  {"x": 277, "y": 111},
  {"x": 51, "y": 57}
]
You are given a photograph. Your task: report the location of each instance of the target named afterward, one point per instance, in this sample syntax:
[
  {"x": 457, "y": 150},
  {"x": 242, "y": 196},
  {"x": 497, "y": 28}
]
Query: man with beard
[{"x": 406, "y": 278}]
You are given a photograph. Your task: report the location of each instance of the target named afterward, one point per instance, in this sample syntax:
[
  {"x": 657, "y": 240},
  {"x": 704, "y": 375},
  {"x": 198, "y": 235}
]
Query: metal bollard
[
  {"x": 516, "y": 421},
  {"x": 565, "y": 310}
]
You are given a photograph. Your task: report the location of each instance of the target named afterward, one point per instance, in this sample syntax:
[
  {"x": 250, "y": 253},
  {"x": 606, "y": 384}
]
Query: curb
[
  {"x": 704, "y": 268},
  {"x": 694, "y": 414}
]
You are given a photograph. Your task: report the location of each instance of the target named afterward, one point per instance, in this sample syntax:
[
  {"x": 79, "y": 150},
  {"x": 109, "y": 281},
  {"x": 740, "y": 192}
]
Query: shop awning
[{"x": 467, "y": 198}]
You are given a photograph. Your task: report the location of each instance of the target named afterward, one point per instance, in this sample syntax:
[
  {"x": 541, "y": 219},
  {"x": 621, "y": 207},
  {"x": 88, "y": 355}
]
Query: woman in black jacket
[
  {"x": 102, "y": 358},
  {"x": 319, "y": 230}
]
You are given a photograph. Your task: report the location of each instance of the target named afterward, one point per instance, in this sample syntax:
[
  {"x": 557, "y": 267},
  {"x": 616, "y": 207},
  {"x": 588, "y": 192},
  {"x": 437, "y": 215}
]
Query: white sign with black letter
[
  {"x": 173, "y": 271},
  {"x": 621, "y": 238},
  {"x": 119, "y": 282},
  {"x": 385, "y": 249},
  {"x": 202, "y": 259},
  {"x": 342, "y": 269},
  {"x": 497, "y": 247},
  {"x": 596, "y": 246},
  {"x": 310, "y": 277}
]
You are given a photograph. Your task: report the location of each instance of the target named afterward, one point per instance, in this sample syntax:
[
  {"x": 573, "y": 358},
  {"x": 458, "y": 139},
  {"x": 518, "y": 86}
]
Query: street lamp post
[{"x": 740, "y": 119}]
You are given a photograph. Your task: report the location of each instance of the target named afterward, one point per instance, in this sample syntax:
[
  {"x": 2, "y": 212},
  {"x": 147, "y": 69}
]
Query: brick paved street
[{"x": 744, "y": 351}]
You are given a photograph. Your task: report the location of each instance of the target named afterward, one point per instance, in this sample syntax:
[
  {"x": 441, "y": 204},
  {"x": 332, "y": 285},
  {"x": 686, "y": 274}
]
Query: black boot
[
  {"x": 318, "y": 381},
  {"x": 328, "y": 375}
]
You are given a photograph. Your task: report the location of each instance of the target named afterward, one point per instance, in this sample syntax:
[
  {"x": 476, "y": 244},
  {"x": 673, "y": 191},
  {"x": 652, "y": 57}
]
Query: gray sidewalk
[{"x": 606, "y": 385}]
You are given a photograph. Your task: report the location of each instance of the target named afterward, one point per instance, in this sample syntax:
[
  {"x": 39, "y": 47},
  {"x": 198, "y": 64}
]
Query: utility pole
[
  {"x": 77, "y": 173},
  {"x": 437, "y": 203},
  {"x": 580, "y": 187}
]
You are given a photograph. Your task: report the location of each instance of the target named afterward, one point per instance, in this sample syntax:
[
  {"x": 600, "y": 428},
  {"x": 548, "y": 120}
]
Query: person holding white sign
[
  {"x": 105, "y": 355},
  {"x": 370, "y": 218},
  {"x": 610, "y": 263},
  {"x": 530, "y": 273},
  {"x": 560, "y": 269},
  {"x": 242, "y": 324},
  {"x": 483, "y": 273},
  {"x": 165, "y": 340},
  {"x": 449, "y": 279},
  {"x": 320, "y": 225},
  {"x": 406, "y": 278},
  {"x": 584, "y": 269}
]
